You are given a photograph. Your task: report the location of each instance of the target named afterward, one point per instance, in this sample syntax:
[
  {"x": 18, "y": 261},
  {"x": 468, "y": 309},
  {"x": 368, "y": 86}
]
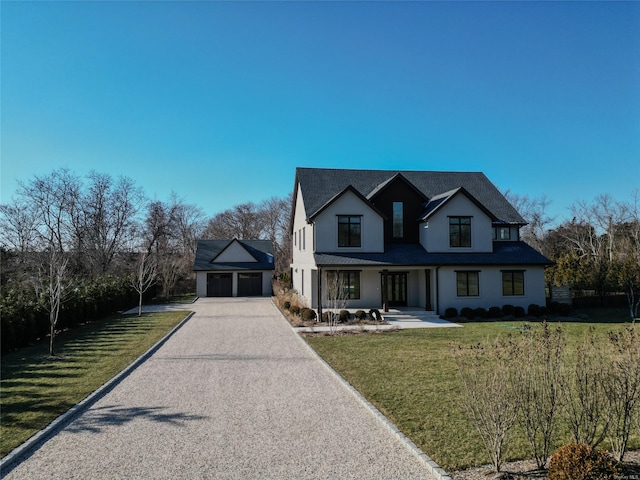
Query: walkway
[{"x": 233, "y": 394}]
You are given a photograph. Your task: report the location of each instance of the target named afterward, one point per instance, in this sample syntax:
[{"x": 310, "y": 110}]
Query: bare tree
[
  {"x": 534, "y": 211},
  {"x": 52, "y": 286},
  {"x": 488, "y": 393},
  {"x": 144, "y": 278},
  {"x": 337, "y": 297},
  {"x": 242, "y": 222}
]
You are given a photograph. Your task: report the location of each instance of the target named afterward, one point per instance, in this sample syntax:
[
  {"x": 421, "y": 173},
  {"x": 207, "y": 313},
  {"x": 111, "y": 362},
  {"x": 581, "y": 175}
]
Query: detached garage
[{"x": 234, "y": 268}]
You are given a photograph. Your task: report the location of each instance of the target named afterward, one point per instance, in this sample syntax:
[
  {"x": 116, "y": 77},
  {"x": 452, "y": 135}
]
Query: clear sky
[{"x": 220, "y": 101}]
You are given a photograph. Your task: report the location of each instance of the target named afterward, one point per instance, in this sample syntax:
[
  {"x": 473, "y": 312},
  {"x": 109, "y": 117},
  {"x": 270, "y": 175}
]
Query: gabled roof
[
  {"x": 504, "y": 254},
  {"x": 398, "y": 176},
  {"x": 320, "y": 185},
  {"x": 349, "y": 188},
  {"x": 439, "y": 200},
  {"x": 208, "y": 250}
]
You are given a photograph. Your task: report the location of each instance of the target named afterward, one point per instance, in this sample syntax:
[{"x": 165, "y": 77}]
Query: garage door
[
  {"x": 249, "y": 284},
  {"x": 219, "y": 285}
]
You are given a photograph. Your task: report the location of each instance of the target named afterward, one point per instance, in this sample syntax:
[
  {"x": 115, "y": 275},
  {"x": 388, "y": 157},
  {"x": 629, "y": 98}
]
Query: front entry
[{"x": 396, "y": 289}]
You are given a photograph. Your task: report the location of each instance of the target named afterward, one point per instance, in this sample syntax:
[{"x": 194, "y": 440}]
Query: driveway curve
[{"x": 233, "y": 394}]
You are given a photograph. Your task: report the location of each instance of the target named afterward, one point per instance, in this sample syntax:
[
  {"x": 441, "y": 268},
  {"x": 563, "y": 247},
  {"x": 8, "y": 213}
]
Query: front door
[{"x": 397, "y": 289}]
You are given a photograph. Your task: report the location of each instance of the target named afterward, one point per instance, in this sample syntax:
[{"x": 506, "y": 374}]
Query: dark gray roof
[
  {"x": 320, "y": 185},
  {"x": 405, "y": 255},
  {"x": 208, "y": 250}
]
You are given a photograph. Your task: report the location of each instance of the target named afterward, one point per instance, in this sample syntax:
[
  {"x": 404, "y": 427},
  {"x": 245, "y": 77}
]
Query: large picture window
[
  {"x": 349, "y": 231},
  {"x": 512, "y": 282},
  {"x": 460, "y": 231},
  {"x": 467, "y": 284},
  {"x": 343, "y": 284}
]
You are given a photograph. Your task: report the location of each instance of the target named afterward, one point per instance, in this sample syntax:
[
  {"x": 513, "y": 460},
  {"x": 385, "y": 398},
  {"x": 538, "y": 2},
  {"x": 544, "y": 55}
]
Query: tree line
[
  {"x": 62, "y": 231},
  {"x": 597, "y": 251}
]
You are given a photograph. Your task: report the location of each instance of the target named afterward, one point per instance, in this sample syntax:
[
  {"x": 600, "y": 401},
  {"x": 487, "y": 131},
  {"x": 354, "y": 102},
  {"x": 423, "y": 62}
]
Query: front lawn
[
  {"x": 411, "y": 377},
  {"x": 37, "y": 389}
]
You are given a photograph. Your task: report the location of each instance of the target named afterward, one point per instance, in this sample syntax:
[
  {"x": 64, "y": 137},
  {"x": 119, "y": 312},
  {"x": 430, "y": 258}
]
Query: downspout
[
  {"x": 319, "y": 319},
  {"x": 437, "y": 296}
]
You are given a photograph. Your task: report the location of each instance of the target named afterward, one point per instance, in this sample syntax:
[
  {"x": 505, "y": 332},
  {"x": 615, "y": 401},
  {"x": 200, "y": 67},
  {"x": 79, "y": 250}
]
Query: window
[
  {"x": 467, "y": 284},
  {"x": 459, "y": 231},
  {"x": 343, "y": 284},
  {"x": 304, "y": 238},
  {"x": 349, "y": 231},
  {"x": 512, "y": 283},
  {"x": 501, "y": 233},
  {"x": 295, "y": 239},
  {"x": 398, "y": 220}
]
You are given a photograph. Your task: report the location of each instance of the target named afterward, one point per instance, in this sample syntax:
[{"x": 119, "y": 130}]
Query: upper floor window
[
  {"x": 398, "y": 220},
  {"x": 512, "y": 282},
  {"x": 459, "y": 231},
  {"x": 349, "y": 231},
  {"x": 501, "y": 233}
]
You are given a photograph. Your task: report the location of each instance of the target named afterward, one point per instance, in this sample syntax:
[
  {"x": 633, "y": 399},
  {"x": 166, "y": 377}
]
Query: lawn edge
[
  {"x": 431, "y": 466},
  {"x": 26, "y": 449}
]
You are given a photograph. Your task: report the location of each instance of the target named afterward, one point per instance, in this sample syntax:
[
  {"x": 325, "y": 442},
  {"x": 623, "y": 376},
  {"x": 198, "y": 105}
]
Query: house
[
  {"x": 425, "y": 239},
  {"x": 234, "y": 268}
]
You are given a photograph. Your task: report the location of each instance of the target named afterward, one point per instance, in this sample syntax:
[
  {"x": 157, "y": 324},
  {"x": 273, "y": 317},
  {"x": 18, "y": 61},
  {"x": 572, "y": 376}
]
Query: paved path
[{"x": 233, "y": 394}]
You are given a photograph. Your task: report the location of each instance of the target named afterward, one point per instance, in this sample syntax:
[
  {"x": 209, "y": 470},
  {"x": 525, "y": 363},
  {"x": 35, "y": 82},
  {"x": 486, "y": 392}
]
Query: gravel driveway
[{"x": 234, "y": 394}]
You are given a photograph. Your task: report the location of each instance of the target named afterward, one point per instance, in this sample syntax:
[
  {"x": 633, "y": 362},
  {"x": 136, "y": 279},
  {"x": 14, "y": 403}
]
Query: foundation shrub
[
  {"x": 344, "y": 316},
  {"x": 480, "y": 312},
  {"x": 494, "y": 312},
  {"x": 294, "y": 309},
  {"x": 308, "y": 315},
  {"x": 579, "y": 461},
  {"x": 518, "y": 311},
  {"x": 451, "y": 312},
  {"x": 374, "y": 313},
  {"x": 468, "y": 313},
  {"x": 286, "y": 305},
  {"x": 360, "y": 315},
  {"x": 534, "y": 310},
  {"x": 507, "y": 310}
]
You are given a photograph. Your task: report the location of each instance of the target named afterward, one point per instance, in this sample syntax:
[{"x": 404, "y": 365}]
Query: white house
[
  {"x": 431, "y": 240},
  {"x": 234, "y": 268}
]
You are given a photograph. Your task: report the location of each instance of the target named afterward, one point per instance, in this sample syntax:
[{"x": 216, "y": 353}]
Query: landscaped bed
[
  {"x": 412, "y": 378},
  {"x": 36, "y": 388}
]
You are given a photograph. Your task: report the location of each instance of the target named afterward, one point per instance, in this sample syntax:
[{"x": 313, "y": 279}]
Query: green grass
[
  {"x": 411, "y": 377},
  {"x": 36, "y": 389}
]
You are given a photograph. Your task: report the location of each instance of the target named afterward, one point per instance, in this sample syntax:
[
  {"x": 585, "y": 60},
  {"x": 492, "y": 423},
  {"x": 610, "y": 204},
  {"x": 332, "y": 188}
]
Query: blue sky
[{"x": 220, "y": 101}]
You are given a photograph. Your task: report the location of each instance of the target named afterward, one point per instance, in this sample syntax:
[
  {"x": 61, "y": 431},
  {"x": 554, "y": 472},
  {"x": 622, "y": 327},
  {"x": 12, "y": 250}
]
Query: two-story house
[{"x": 423, "y": 239}]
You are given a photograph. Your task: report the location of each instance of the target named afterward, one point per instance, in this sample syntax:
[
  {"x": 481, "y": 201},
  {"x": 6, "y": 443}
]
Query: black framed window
[
  {"x": 501, "y": 233},
  {"x": 349, "y": 231},
  {"x": 460, "y": 231},
  {"x": 398, "y": 220},
  {"x": 344, "y": 284},
  {"x": 468, "y": 284},
  {"x": 512, "y": 283}
]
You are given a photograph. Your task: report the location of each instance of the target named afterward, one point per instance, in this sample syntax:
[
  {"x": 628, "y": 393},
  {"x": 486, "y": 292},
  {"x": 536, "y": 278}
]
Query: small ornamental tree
[{"x": 144, "y": 278}]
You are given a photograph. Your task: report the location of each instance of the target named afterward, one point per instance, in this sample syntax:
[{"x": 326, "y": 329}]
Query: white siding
[
  {"x": 434, "y": 234},
  {"x": 326, "y": 226},
  {"x": 490, "y": 281},
  {"x": 234, "y": 253}
]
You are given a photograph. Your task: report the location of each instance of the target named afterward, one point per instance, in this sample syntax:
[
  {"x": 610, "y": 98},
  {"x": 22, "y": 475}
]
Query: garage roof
[{"x": 208, "y": 250}]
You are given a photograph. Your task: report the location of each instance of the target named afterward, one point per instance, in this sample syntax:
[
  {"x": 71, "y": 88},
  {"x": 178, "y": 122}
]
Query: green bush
[
  {"x": 507, "y": 310},
  {"x": 468, "y": 313},
  {"x": 518, "y": 311},
  {"x": 534, "y": 310},
  {"x": 494, "y": 312},
  {"x": 564, "y": 309},
  {"x": 294, "y": 309},
  {"x": 480, "y": 312},
  {"x": 344, "y": 316},
  {"x": 286, "y": 305},
  {"x": 581, "y": 462},
  {"x": 451, "y": 312},
  {"x": 308, "y": 314},
  {"x": 360, "y": 315}
]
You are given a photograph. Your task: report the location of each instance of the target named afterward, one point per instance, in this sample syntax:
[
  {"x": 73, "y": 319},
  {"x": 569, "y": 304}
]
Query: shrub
[
  {"x": 518, "y": 311},
  {"x": 325, "y": 317},
  {"x": 494, "y": 312},
  {"x": 451, "y": 312},
  {"x": 286, "y": 305},
  {"x": 578, "y": 461},
  {"x": 294, "y": 309},
  {"x": 344, "y": 316},
  {"x": 467, "y": 313},
  {"x": 374, "y": 313},
  {"x": 480, "y": 312},
  {"x": 507, "y": 310},
  {"x": 564, "y": 309},
  {"x": 308, "y": 314},
  {"x": 534, "y": 310},
  {"x": 360, "y": 315}
]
